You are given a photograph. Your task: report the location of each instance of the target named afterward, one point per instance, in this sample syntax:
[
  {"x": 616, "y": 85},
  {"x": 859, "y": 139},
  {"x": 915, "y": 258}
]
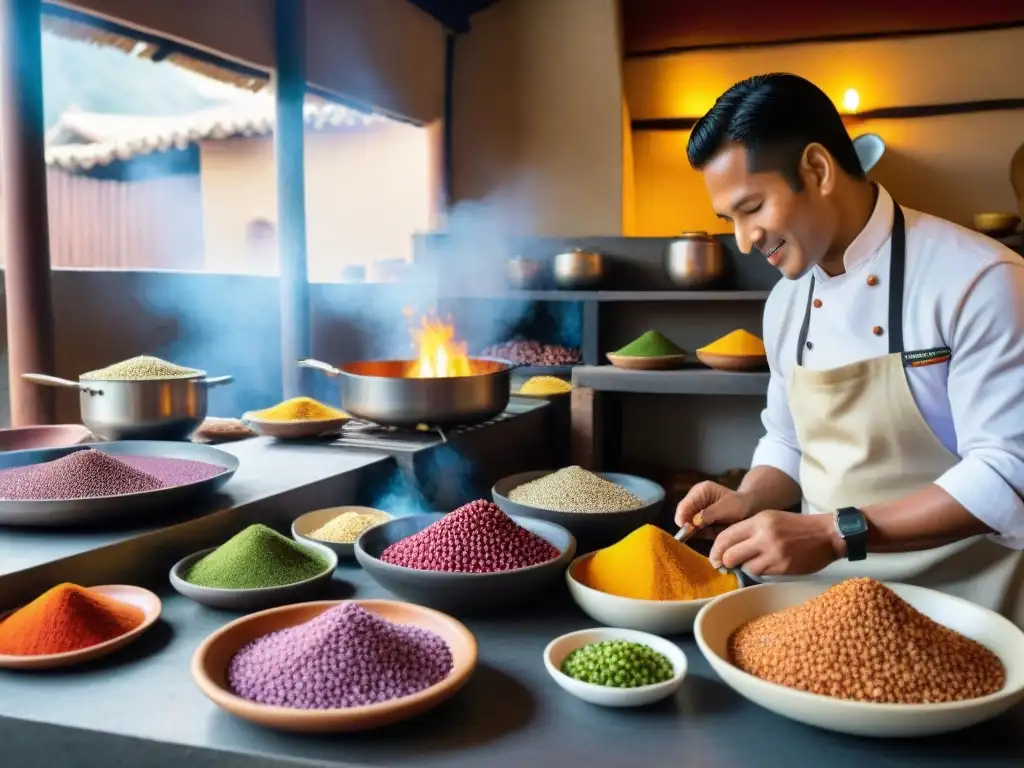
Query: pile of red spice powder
[
  {"x": 66, "y": 618},
  {"x": 475, "y": 538}
]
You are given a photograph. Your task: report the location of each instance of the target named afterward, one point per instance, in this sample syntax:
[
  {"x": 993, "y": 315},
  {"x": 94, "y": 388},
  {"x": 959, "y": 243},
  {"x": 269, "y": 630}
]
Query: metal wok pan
[
  {"x": 101, "y": 510},
  {"x": 377, "y": 391}
]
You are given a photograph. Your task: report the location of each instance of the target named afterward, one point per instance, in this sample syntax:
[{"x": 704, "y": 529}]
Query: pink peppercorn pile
[{"x": 476, "y": 538}]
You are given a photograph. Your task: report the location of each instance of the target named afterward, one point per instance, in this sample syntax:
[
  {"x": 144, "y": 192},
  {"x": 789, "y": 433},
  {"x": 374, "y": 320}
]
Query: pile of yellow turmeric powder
[
  {"x": 739, "y": 343},
  {"x": 649, "y": 564},
  {"x": 299, "y": 409}
]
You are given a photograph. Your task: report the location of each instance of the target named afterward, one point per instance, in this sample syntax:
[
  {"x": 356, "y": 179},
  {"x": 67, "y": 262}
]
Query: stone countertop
[{"x": 140, "y": 708}]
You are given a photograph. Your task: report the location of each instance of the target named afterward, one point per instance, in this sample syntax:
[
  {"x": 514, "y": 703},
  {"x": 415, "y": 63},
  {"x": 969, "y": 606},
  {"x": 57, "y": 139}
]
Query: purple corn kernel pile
[
  {"x": 90, "y": 473},
  {"x": 345, "y": 657},
  {"x": 475, "y": 538}
]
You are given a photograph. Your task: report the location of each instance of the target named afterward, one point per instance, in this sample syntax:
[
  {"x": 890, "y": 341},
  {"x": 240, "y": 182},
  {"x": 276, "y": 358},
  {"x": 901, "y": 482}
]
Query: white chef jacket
[{"x": 962, "y": 290}]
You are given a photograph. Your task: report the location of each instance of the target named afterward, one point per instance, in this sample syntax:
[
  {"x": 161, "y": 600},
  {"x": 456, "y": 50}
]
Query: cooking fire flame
[{"x": 439, "y": 355}]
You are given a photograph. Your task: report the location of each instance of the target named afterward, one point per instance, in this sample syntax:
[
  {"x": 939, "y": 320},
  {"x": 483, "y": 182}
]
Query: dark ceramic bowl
[
  {"x": 461, "y": 593},
  {"x": 593, "y": 530}
]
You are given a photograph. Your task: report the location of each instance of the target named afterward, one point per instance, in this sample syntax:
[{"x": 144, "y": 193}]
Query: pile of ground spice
[
  {"x": 649, "y": 564},
  {"x": 574, "y": 489},
  {"x": 345, "y": 657},
  {"x": 257, "y": 557},
  {"x": 476, "y": 538},
  {"x": 738, "y": 343},
  {"x": 346, "y": 527},
  {"x": 299, "y": 409},
  {"x": 860, "y": 640},
  {"x": 651, "y": 344},
  {"x": 141, "y": 367},
  {"x": 90, "y": 474},
  {"x": 545, "y": 385},
  {"x": 66, "y": 618}
]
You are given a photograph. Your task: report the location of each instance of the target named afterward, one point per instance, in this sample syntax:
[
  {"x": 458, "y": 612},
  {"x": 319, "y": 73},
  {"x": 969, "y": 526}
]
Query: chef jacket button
[
  {"x": 872, "y": 280},
  {"x": 809, "y": 345},
  {"x": 877, "y": 330},
  {"x": 817, "y": 303}
]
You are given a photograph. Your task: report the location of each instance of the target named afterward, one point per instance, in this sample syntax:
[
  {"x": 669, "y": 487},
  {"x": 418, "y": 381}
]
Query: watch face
[{"x": 851, "y": 522}]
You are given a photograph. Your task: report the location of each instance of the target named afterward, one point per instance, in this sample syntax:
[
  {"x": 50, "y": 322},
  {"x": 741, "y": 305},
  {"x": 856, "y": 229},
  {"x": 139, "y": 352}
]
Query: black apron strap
[{"x": 897, "y": 270}]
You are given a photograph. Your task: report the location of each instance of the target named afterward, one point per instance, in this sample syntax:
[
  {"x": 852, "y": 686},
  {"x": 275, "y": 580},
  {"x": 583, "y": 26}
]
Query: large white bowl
[
  {"x": 720, "y": 618},
  {"x": 659, "y": 617},
  {"x": 604, "y": 695}
]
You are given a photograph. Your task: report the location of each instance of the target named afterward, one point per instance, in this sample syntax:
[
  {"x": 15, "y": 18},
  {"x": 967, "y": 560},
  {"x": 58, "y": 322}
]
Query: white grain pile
[
  {"x": 574, "y": 489},
  {"x": 138, "y": 368}
]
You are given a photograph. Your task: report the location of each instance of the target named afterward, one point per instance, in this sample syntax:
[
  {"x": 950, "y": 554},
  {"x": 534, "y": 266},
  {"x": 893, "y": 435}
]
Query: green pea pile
[{"x": 618, "y": 663}]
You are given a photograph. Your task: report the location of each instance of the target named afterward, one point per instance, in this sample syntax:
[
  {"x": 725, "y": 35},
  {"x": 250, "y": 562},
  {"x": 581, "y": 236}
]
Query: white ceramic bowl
[
  {"x": 303, "y": 429},
  {"x": 659, "y": 617},
  {"x": 720, "y": 618},
  {"x": 604, "y": 695}
]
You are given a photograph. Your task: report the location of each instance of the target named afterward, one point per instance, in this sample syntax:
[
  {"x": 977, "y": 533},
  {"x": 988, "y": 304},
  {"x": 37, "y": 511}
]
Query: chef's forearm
[
  {"x": 769, "y": 488},
  {"x": 923, "y": 520}
]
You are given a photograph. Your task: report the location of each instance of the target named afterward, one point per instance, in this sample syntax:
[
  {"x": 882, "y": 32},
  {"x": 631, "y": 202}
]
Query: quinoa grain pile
[
  {"x": 859, "y": 640},
  {"x": 574, "y": 489},
  {"x": 138, "y": 368}
]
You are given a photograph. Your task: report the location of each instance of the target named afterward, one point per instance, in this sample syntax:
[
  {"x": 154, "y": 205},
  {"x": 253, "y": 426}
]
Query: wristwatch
[{"x": 853, "y": 529}]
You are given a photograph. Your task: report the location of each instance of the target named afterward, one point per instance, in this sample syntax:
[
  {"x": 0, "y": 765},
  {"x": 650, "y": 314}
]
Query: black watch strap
[{"x": 853, "y": 528}]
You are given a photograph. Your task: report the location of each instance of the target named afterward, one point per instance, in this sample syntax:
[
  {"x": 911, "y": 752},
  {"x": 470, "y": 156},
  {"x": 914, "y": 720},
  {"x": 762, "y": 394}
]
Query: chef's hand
[
  {"x": 775, "y": 543},
  {"x": 717, "y": 507}
]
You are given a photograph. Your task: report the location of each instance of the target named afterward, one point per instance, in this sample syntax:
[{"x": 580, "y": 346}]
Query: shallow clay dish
[
  {"x": 304, "y": 429},
  {"x": 252, "y": 599},
  {"x": 733, "y": 362},
  {"x": 659, "y": 617},
  {"x": 141, "y": 598},
  {"x": 724, "y": 615},
  {"x": 592, "y": 530},
  {"x": 305, "y": 524},
  {"x": 45, "y": 436},
  {"x": 461, "y": 593},
  {"x": 605, "y": 695},
  {"x": 654, "y": 363},
  {"x": 211, "y": 660}
]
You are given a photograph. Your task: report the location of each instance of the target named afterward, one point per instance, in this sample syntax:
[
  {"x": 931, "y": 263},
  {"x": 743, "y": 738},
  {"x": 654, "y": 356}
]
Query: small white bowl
[
  {"x": 303, "y": 429},
  {"x": 604, "y": 695},
  {"x": 718, "y": 620},
  {"x": 659, "y": 617},
  {"x": 305, "y": 524}
]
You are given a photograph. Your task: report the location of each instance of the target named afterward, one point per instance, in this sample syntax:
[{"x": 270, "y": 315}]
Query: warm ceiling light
[{"x": 851, "y": 100}]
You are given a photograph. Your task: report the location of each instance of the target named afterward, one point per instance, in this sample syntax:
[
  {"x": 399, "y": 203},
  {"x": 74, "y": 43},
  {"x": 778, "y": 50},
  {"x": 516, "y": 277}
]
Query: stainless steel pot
[
  {"x": 148, "y": 409},
  {"x": 695, "y": 260},
  {"x": 378, "y": 391},
  {"x": 578, "y": 269}
]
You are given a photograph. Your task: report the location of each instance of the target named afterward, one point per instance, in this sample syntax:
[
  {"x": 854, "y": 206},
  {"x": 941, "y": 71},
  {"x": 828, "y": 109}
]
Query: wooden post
[
  {"x": 289, "y": 160},
  {"x": 26, "y": 238}
]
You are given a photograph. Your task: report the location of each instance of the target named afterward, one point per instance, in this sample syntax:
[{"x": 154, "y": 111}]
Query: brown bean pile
[
  {"x": 533, "y": 353},
  {"x": 859, "y": 640}
]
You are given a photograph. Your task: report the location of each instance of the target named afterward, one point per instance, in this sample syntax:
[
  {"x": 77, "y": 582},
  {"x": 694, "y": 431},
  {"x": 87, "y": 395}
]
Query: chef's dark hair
[{"x": 774, "y": 117}]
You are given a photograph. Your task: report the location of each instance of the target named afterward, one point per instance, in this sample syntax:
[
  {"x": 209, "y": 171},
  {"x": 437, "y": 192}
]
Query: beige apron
[{"x": 865, "y": 442}]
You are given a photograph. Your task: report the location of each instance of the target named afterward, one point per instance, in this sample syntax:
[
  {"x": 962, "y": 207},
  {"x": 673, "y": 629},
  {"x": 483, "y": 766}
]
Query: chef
[{"x": 895, "y": 410}]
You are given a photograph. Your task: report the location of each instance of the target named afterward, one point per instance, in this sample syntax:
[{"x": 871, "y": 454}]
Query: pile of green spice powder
[
  {"x": 651, "y": 344},
  {"x": 618, "y": 664},
  {"x": 255, "y": 558}
]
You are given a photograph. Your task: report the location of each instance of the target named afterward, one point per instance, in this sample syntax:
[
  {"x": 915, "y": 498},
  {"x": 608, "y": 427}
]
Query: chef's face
[{"x": 791, "y": 229}]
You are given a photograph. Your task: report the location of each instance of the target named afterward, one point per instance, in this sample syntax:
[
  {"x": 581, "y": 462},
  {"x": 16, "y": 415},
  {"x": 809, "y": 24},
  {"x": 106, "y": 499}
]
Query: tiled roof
[{"x": 84, "y": 140}]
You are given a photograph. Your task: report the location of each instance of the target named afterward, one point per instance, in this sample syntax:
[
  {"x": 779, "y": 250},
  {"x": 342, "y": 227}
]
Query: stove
[{"x": 442, "y": 469}]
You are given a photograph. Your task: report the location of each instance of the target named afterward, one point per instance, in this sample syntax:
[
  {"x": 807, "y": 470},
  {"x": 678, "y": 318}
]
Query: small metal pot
[
  {"x": 378, "y": 391},
  {"x": 695, "y": 260},
  {"x": 147, "y": 409},
  {"x": 578, "y": 269}
]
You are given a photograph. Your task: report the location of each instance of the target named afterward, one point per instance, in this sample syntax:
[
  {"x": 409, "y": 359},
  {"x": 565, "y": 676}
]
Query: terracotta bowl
[
  {"x": 211, "y": 660},
  {"x": 654, "y": 363},
  {"x": 141, "y": 598},
  {"x": 44, "y": 436},
  {"x": 304, "y": 429},
  {"x": 733, "y": 362}
]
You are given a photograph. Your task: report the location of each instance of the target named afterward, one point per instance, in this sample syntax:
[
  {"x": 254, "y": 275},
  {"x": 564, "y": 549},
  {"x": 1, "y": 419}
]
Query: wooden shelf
[
  {"x": 605, "y": 296},
  {"x": 544, "y": 370},
  {"x": 688, "y": 381}
]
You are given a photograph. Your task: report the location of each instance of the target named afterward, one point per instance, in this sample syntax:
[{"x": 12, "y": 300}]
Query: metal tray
[{"x": 98, "y": 510}]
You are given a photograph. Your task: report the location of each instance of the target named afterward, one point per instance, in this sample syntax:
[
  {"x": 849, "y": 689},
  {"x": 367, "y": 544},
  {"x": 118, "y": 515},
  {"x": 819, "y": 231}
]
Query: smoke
[{"x": 444, "y": 480}]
